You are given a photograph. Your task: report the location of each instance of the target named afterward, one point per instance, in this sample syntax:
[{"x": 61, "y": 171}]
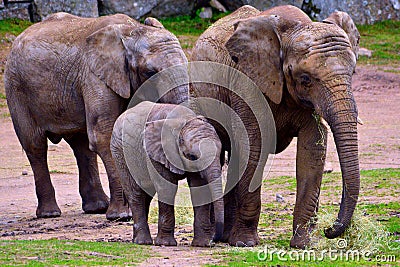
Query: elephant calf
[{"x": 154, "y": 146}]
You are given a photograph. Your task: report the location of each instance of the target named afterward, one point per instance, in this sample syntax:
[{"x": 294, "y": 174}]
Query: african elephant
[
  {"x": 179, "y": 144},
  {"x": 70, "y": 77},
  {"x": 304, "y": 70}
]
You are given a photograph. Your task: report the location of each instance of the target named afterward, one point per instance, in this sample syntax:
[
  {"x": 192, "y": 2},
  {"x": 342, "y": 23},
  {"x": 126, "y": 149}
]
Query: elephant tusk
[
  {"x": 323, "y": 121},
  {"x": 359, "y": 121}
]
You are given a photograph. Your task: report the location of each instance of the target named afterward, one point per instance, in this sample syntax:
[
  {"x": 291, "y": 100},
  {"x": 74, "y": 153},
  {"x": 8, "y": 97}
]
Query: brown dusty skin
[{"x": 377, "y": 95}]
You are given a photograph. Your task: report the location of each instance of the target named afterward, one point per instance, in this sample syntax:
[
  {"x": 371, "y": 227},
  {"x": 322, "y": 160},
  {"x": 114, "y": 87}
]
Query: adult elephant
[
  {"x": 304, "y": 70},
  {"x": 70, "y": 77}
]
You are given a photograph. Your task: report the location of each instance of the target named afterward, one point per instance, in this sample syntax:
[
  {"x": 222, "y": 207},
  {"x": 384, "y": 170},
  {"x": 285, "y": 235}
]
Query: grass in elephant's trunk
[{"x": 363, "y": 235}]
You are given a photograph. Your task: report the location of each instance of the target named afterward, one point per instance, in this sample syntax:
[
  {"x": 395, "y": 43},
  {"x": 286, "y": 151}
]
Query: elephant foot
[
  {"x": 117, "y": 211},
  {"x": 95, "y": 207},
  {"x": 243, "y": 238},
  {"x": 48, "y": 211},
  {"x": 300, "y": 241},
  {"x": 165, "y": 241},
  {"x": 143, "y": 239},
  {"x": 202, "y": 242}
]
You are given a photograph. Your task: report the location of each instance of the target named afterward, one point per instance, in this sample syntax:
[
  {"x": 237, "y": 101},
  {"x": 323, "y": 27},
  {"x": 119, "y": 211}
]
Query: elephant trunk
[
  {"x": 341, "y": 115},
  {"x": 215, "y": 182},
  {"x": 177, "y": 95}
]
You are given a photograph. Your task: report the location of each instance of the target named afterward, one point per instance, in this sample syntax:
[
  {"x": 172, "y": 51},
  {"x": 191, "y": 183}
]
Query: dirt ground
[{"x": 377, "y": 94}]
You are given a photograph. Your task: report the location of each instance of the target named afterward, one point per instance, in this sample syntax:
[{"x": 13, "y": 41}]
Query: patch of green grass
[
  {"x": 2, "y": 96},
  {"x": 70, "y": 253},
  {"x": 287, "y": 182},
  {"x": 188, "y": 25},
  {"x": 13, "y": 26},
  {"x": 383, "y": 38},
  {"x": 183, "y": 215}
]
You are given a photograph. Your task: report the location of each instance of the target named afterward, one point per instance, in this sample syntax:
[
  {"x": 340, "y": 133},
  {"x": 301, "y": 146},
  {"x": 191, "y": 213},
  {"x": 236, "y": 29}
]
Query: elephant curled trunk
[{"x": 342, "y": 118}]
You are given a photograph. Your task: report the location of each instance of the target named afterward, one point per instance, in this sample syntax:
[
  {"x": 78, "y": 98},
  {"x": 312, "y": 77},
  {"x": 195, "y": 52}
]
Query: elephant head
[
  {"x": 189, "y": 144},
  {"x": 125, "y": 55},
  {"x": 311, "y": 63}
]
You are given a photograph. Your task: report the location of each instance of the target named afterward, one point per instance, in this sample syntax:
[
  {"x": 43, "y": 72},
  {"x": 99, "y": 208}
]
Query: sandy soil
[{"x": 377, "y": 94}]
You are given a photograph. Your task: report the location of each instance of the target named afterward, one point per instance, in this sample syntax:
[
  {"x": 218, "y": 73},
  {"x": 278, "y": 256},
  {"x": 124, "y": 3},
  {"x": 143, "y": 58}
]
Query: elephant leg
[
  {"x": 118, "y": 208},
  {"x": 203, "y": 228},
  {"x": 166, "y": 225},
  {"x": 140, "y": 204},
  {"x": 310, "y": 160},
  {"x": 244, "y": 230},
  {"x": 138, "y": 199},
  {"x": 242, "y": 207},
  {"x": 229, "y": 213},
  {"x": 35, "y": 146},
  {"x": 94, "y": 200},
  {"x": 100, "y": 123},
  {"x": 34, "y": 142},
  {"x": 166, "y": 200}
]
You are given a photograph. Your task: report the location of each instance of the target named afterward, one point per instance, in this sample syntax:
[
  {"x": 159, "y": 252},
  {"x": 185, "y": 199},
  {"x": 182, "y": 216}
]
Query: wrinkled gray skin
[
  {"x": 163, "y": 132},
  {"x": 70, "y": 77},
  {"x": 304, "y": 69}
]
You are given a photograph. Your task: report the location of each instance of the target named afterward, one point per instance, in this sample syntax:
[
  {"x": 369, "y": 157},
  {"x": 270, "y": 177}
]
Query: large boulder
[
  {"x": 16, "y": 10},
  {"x": 259, "y": 4},
  {"x": 361, "y": 11},
  {"x": 142, "y": 8},
  {"x": 43, "y": 8},
  {"x": 135, "y": 9}
]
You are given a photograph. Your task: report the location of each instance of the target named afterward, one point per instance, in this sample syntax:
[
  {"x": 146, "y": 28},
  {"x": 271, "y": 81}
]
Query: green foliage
[
  {"x": 70, "y": 253},
  {"x": 188, "y": 25},
  {"x": 13, "y": 26},
  {"x": 383, "y": 38}
]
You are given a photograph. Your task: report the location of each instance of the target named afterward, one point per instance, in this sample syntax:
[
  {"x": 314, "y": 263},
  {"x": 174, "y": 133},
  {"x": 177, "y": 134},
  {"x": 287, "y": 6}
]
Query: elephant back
[{"x": 210, "y": 45}]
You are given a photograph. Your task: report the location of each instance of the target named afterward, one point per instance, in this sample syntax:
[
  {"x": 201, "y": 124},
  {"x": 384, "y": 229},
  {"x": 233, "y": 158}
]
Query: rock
[
  {"x": 361, "y": 11},
  {"x": 218, "y": 6},
  {"x": 18, "y": 11},
  {"x": 279, "y": 198},
  {"x": 206, "y": 13},
  {"x": 24, "y": 172},
  {"x": 169, "y": 8},
  {"x": 135, "y": 9},
  {"x": 364, "y": 52},
  {"x": 143, "y": 8},
  {"x": 259, "y": 4},
  {"x": 9, "y": 37},
  {"x": 44, "y": 8}
]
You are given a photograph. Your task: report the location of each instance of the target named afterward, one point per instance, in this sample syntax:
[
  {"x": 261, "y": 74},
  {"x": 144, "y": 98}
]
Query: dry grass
[{"x": 363, "y": 234}]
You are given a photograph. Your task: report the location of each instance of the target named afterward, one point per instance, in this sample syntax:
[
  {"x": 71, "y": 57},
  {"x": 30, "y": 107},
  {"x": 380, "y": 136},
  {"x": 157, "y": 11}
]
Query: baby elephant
[{"x": 154, "y": 146}]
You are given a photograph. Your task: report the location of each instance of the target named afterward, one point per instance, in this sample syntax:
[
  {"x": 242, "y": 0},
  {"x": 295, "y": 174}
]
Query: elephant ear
[
  {"x": 162, "y": 136},
  {"x": 344, "y": 21},
  {"x": 107, "y": 57},
  {"x": 255, "y": 47},
  {"x": 153, "y": 22}
]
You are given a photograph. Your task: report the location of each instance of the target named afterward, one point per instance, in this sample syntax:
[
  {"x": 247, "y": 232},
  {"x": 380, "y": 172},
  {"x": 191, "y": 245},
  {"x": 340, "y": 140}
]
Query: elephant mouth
[{"x": 305, "y": 103}]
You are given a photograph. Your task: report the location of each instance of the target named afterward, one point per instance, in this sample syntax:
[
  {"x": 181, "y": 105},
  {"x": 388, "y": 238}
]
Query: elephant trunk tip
[
  {"x": 334, "y": 231},
  {"x": 219, "y": 230}
]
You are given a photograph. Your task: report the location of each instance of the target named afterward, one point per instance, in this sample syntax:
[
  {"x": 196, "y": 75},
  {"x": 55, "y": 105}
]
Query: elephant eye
[
  {"x": 150, "y": 73},
  {"x": 190, "y": 156},
  {"x": 305, "y": 80}
]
